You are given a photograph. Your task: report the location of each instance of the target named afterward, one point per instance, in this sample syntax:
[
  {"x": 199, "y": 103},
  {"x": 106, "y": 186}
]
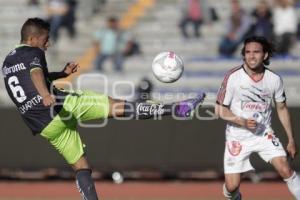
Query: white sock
[{"x": 294, "y": 185}]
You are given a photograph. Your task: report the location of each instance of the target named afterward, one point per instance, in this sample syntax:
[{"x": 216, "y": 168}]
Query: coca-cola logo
[
  {"x": 150, "y": 109},
  {"x": 254, "y": 106}
]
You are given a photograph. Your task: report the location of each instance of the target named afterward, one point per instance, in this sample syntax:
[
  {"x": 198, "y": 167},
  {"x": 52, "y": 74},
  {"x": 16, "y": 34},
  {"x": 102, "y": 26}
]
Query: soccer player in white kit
[{"x": 245, "y": 102}]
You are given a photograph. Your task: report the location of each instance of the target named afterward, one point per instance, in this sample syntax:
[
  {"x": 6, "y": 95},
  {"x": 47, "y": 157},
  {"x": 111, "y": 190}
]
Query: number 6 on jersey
[{"x": 16, "y": 89}]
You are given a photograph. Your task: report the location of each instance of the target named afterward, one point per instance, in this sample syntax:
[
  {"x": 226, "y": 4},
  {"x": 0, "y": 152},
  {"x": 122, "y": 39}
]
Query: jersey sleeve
[
  {"x": 37, "y": 59},
  {"x": 226, "y": 91},
  {"x": 279, "y": 95}
]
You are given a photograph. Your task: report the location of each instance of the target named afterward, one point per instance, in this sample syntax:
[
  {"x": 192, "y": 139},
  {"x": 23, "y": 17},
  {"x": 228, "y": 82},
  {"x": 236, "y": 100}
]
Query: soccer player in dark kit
[{"x": 54, "y": 114}]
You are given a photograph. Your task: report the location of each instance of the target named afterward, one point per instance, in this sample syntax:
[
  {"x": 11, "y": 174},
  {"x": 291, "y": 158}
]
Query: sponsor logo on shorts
[
  {"x": 273, "y": 139},
  {"x": 230, "y": 162}
]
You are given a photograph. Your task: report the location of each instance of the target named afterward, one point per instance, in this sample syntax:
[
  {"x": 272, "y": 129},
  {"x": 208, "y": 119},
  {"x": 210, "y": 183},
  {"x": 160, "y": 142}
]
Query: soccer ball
[{"x": 167, "y": 67}]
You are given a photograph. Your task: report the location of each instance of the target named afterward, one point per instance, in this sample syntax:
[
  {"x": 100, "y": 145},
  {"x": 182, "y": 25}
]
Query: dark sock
[{"x": 85, "y": 184}]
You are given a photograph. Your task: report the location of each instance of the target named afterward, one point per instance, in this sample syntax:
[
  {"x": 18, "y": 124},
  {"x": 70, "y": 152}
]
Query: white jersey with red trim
[{"x": 250, "y": 99}]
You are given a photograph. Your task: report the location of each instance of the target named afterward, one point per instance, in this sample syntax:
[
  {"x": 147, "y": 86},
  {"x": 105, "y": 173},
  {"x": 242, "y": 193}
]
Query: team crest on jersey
[
  {"x": 254, "y": 106},
  {"x": 234, "y": 147},
  {"x": 36, "y": 62}
]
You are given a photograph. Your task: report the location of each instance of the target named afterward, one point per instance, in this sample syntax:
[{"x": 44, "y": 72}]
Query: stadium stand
[
  {"x": 156, "y": 28},
  {"x": 158, "y": 31}
]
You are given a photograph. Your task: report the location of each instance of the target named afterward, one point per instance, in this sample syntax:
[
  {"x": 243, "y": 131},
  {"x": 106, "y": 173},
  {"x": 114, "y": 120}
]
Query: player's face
[
  {"x": 41, "y": 41},
  {"x": 254, "y": 56}
]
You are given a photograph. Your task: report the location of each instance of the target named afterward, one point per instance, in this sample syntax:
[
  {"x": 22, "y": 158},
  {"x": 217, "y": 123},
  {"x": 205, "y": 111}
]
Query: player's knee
[
  {"x": 232, "y": 192},
  {"x": 116, "y": 107},
  {"x": 231, "y": 187},
  {"x": 81, "y": 164},
  {"x": 285, "y": 172}
]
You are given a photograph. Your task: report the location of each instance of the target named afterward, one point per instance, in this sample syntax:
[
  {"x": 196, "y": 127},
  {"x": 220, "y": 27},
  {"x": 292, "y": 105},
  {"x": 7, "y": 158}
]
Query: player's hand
[
  {"x": 292, "y": 149},
  {"x": 250, "y": 124},
  {"x": 49, "y": 100},
  {"x": 71, "y": 68}
]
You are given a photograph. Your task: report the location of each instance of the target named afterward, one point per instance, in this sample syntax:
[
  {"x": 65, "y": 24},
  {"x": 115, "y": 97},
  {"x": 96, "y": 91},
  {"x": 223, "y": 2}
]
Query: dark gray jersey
[{"x": 16, "y": 71}]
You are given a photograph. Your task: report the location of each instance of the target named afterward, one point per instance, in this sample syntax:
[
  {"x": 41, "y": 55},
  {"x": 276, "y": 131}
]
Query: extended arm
[
  {"x": 69, "y": 69},
  {"x": 57, "y": 75},
  {"x": 227, "y": 115},
  {"x": 284, "y": 117}
]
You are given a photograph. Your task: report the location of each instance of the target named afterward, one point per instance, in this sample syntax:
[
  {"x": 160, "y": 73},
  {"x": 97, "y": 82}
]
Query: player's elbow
[
  {"x": 281, "y": 106},
  {"x": 218, "y": 110}
]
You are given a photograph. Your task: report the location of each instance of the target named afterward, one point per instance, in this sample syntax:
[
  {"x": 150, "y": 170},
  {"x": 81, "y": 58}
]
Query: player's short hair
[
  {"x": 267, "y": 47},
  {"x": 34, "y": 26}
]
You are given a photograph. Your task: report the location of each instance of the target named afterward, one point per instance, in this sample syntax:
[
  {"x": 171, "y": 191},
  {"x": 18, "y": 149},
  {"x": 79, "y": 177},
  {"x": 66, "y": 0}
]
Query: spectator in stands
[
  {"x": 237, "y": 27},
  {"x": 285, "y": 26},
  {"x": 56, "y": 10},
  {"x": 61, "y": 13},
  {"x": 133, "y": 48},
  {"x": 33, "y": 2},
  {"x": 111, "y": 43},
  {"x": 97, "y": 5},
  {"x": 193, "y": 12},
  {"x": 144, "y": 90},
  {"x": 69, "y": 18},
  {"x": 262, "y": 21}
]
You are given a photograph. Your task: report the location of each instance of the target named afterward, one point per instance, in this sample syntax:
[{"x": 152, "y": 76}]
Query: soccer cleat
[{"x": 185, "y": 108}]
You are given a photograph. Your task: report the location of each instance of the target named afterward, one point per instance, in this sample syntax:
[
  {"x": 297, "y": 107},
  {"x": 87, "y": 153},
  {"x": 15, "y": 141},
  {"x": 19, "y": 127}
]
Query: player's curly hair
[
  {"x": 267, "y": 47},
  {"x": 33, "y": 26}
]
